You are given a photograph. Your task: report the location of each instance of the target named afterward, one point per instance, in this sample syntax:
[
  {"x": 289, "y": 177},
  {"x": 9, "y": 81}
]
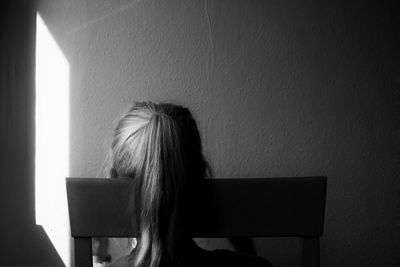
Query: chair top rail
[{"x": 245, "y": 207}]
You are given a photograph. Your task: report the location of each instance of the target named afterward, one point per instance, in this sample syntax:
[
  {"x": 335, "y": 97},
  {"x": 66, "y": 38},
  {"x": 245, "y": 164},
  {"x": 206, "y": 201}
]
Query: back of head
[{"x": 159, "y": 145}]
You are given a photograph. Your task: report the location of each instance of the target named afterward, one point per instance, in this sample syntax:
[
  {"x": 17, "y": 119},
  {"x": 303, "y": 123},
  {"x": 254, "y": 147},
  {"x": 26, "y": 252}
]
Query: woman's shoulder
[
  {"x": 211, "y": 258},
  {"x": 254, "y": 261},
  {"x": 230, "y": 258}
]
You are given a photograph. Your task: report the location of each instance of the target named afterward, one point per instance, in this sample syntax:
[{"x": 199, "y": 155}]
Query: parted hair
[{"x": 159, "y": 145}]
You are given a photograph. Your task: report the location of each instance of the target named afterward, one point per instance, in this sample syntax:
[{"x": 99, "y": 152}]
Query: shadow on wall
[{"x": 22, "y": 242}]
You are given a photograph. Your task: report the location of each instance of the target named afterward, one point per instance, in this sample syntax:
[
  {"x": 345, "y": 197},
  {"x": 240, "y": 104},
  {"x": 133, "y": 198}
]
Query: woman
[{"x": 159, "y": 145}]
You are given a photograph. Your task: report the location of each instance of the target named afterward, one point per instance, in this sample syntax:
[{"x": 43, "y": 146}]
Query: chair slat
[
  {"x": 83, "y": 251},
  {"x": 310, "y": 252}
]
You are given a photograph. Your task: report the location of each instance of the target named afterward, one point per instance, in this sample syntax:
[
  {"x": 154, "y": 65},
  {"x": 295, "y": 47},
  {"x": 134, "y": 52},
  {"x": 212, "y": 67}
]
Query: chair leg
[
  {"x": 310, "y": 251},
  {"x": 83, "y": 252}
]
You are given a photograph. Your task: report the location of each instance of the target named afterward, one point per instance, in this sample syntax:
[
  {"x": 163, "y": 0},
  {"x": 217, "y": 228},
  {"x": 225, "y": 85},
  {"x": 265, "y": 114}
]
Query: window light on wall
[{"x": 52, "y": 140}]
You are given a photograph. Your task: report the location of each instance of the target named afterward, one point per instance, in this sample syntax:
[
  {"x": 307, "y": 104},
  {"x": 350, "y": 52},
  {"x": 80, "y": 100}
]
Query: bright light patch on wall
[{"x": 52, "y": 140}]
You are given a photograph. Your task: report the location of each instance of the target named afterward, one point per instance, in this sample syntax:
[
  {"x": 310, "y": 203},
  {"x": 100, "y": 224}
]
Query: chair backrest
[{"x": 249, "y": 207}]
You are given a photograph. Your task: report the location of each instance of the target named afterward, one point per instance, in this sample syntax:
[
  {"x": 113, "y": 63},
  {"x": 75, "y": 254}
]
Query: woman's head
[
  {"x": 159, "y": 145},
  {"x": 148, "y": 127}
]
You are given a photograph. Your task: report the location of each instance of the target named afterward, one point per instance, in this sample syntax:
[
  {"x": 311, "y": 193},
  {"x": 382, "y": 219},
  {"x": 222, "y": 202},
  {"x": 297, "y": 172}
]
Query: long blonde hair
[{"x": 159, "y": 145}]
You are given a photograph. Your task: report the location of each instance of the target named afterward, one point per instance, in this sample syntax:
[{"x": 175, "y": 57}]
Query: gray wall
[{"x": 279, "y": 88}]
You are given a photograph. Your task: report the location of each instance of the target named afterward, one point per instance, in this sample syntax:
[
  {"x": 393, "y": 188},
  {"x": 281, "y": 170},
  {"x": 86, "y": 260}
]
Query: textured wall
[{"x": 279, "y": 88}]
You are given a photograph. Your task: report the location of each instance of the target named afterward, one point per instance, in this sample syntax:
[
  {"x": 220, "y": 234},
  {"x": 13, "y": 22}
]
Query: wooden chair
[{"x": 251, "y": 207}]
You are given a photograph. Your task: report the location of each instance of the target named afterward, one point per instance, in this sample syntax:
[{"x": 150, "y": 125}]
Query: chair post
[
  {"x": 310, "y": 251},
  {"x": 83, "y": 251}
]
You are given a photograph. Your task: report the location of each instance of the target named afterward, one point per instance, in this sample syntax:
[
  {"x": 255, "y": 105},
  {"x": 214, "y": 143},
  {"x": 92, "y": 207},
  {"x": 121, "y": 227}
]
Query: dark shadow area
[
  {"x": 22, "y": 242},
  {"x": 28, "y": 247}
]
